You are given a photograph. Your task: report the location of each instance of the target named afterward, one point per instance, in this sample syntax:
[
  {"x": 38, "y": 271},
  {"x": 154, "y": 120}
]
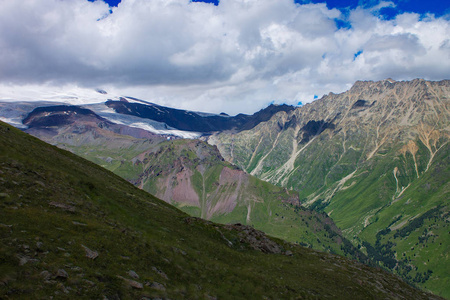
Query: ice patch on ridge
[{"x": 153, "y": 126}]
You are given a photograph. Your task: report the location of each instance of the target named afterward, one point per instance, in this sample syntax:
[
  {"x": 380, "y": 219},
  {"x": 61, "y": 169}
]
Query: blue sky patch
[
  {"x": 436, "y": 7},
  {"x": 357, "y": 54}
]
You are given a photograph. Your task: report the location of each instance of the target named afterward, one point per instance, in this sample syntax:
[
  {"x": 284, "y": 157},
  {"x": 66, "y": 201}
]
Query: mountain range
[
  {"x": 71, "y": 229},
  {"x": 194, "y": 121},
  {"x": 376, "y": 160},
  {"x": 363, "y": 173},
  {"x": 189, "y": 174}
]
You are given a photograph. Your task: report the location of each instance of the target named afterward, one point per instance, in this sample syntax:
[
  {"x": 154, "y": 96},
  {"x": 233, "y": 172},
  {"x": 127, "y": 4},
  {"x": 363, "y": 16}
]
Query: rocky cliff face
[
  {"x": 368, "y": 118},
  {"x": 375, "y": 158}
]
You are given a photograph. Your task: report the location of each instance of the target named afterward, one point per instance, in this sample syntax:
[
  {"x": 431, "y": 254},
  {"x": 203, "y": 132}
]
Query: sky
[{"x": 230, "y": 56}]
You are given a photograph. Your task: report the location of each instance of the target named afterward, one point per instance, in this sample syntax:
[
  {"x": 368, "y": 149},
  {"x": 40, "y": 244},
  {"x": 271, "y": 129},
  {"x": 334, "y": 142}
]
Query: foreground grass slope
[{"x": 71, "y": 229}]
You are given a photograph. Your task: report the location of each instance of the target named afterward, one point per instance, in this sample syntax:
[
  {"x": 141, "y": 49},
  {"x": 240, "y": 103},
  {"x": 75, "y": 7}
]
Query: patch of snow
[
  {"x": 135, "y": 100},
  {"x": 153, "y": 126},
  {"x": 156, "y": 106},
  {"x": 205, "y": 114},
  {"x": 14, "y": 122}
]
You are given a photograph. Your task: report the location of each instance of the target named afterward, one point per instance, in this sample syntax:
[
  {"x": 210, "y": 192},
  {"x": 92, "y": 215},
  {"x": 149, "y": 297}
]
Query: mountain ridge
[
  {"x": 194, "y": 121},
  {"x": 368, "y": 147},
  {"x": 191, "y": 175}
]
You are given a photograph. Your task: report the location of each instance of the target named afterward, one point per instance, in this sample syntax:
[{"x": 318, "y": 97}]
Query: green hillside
[
  {"x": 70, "y": 229},
  {"x": 193, "y": 176}
]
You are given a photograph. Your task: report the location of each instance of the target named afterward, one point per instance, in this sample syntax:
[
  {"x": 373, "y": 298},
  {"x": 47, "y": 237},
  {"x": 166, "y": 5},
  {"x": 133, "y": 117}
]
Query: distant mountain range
[
  {"x": 189, "y": 174},
  {"x": 148, "y": 116},
  {"x": 194, "y": 121},
  {"x": 374, "y": 161}
]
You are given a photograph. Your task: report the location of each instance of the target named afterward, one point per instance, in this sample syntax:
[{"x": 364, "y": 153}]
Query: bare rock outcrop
[{"x": 255, "y": 239}]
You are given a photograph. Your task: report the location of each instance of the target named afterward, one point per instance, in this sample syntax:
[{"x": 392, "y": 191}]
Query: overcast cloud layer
[{"x": 235, "y": 57}]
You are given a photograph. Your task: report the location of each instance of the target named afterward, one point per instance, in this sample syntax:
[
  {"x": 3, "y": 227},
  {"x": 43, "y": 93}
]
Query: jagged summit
[{"x": 389, "y": 82}]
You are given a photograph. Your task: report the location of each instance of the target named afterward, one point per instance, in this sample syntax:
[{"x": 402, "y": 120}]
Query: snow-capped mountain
[{"x": 16, "y": 104}]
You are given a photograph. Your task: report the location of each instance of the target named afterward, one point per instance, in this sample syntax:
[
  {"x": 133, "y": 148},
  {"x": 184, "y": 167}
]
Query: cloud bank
[{"x": 235, "y": 57}]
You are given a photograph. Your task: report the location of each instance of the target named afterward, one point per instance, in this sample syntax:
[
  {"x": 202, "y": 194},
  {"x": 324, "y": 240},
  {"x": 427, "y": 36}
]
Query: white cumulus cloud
[{"x": 235, "y": 57}]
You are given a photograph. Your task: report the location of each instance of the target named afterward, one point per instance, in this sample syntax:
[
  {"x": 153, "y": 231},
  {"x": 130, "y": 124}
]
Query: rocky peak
[{"x": 356, "y": 154}]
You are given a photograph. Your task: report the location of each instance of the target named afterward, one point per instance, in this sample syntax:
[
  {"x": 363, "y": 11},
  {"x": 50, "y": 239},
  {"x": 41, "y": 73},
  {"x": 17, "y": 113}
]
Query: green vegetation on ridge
[
  {"x": 241, "y": 198},
  {"x": 71, "y": 229}
]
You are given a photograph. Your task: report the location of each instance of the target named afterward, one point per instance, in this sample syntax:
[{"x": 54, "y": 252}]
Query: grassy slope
[
  {"x": 416, "y": 224},
  {"x": 370, "y": 202},
  {"x": 53, "y": 202},
  {"x": 411, "y": 227},
  {"x": 269, "y": 213}
]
